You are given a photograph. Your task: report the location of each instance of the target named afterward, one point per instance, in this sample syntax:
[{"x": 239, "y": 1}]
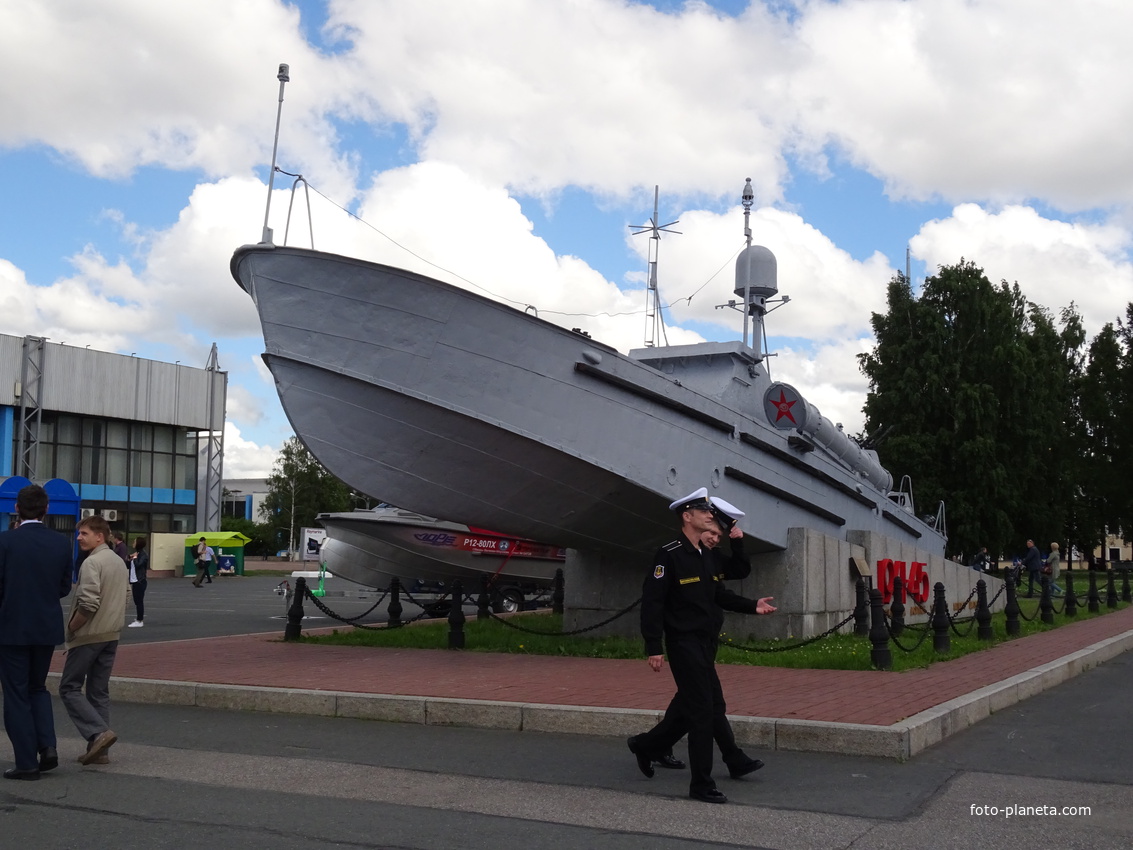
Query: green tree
[
  {"x": 969, "y": 385},
  {"x": 299, "y": 488},
  {"x": 1102, "y": 484},
  {"x": 261, "y": 535},
  {"x": 1123, "y": 450}
]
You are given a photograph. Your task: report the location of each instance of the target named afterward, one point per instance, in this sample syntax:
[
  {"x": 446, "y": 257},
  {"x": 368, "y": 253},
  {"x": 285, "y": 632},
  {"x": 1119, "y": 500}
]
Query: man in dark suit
[{"x": 35, "y": 573}]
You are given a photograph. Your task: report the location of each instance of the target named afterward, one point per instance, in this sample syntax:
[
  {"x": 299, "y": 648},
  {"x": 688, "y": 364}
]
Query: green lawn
[{"x": 836, "y": 652}]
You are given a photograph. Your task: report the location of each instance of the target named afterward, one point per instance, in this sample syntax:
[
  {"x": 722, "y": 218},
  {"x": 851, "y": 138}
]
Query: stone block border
[{"x": 900, "y": 741}]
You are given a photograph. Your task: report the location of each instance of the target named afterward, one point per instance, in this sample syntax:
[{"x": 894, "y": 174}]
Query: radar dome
[{"x": 756, "y": 268}]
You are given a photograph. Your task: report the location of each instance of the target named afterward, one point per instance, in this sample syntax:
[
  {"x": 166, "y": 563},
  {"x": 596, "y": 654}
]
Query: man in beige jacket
[{"x": 98, "y": 609}]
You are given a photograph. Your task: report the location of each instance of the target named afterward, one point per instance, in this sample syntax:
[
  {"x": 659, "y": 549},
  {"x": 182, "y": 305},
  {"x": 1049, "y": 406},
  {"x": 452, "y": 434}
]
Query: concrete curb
[{"x": 900, "y": 741}]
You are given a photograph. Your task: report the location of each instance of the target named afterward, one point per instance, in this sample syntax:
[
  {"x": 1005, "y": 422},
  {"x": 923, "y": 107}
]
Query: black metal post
[
  {"x": 1111, "y": 591},
  {"x": 1046, "y": 607},
  {"x": 482, "y": 612},
  {"x": 1071, "y": 596},
  {"x": 897, "y": 608},
  {"x": 984, "y": 630},
  {"x": 395, "y": 608},
  {"x": 456, "y": 617},
  {"x": 880, "y": 655},
  {"x": 1126, "y": 591},
  {"x": 1093, "y": 600},
  {"x": 941, "y": 640},
  {"x": 1012, "y": 609},
  {"x": 862, "y": 609},
  {"x": 557, "y": 593},
  {"x": 294, "y": 628}
]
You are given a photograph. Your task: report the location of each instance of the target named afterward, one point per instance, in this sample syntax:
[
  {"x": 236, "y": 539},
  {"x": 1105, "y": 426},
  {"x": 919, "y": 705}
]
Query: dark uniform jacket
[{"x": 684, "y": 595}]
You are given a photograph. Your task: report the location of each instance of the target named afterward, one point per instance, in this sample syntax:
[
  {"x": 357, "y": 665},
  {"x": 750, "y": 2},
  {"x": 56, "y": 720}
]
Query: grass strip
[{"x": 842, "y": 651}]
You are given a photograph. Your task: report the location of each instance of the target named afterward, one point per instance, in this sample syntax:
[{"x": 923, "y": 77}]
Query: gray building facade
[{"x": 140, "y": 440}]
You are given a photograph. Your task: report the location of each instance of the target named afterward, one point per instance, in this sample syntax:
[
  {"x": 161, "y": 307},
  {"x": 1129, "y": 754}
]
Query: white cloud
[
  {"x": 243, "y": 406},
  {"x": 88, "y": 308},
  {"x": 606, "y": 95},
  {"x": 1001, "y": 102},
  {"x": 987, "y": 99},
  {"x": 828, "y": 378},
  {"x": 244, "y": 458},
  {"x": 831, "y": 293},
  {"x": 1054, "y": 262}
]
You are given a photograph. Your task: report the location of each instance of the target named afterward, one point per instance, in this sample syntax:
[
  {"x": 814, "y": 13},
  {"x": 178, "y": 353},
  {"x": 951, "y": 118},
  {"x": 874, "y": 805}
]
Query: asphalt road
[{"x": 188, "y": 777}]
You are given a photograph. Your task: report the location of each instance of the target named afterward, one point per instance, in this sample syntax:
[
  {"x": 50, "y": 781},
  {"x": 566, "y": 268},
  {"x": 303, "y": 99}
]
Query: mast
[
  {"x": 748, "y": 198},
  {"x": 756, "y": 282},
  {"x": 284, "y": 78},
  {"x": 654, "y": 320}
]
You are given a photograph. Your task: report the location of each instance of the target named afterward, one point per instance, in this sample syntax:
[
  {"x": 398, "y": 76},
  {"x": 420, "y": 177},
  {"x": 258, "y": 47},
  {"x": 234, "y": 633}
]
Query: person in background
[
  {"x": 1033, "y": 564},
  {"x": 1053, "y": 563},
  {"x": 139, "y": 564},
  {"x": 120, "y": 548},
  {"x": 980, "y": 560},
  {"x": 204, "y": 557},
  {"x": 35, "y": 573},
  {"x": 94, "y": 624}
]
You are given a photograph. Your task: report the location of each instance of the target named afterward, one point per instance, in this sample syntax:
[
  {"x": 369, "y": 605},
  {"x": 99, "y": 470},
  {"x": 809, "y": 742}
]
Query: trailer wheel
[
  {"x": 511, "y": 600},
  {"x": 438, "y": 609}
]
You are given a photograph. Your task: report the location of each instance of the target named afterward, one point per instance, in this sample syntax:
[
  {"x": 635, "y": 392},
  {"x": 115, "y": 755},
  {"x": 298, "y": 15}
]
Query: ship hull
[
  {"x": 447, "y": 403},
  {"x": 371, "y": 548}
]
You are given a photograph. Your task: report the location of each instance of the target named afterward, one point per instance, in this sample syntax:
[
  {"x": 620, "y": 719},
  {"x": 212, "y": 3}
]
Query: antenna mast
[
  {"x": 748, "y": 198},
  {"x": 284, "y": 78},
  {"x": 654, "y": 320}
]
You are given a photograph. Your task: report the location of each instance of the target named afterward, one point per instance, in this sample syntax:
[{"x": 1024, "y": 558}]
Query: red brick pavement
[{"x": 872, "y": 697}]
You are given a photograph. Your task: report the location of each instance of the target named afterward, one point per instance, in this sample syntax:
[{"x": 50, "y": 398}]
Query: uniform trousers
[
  {"x": 699, "y": 699},
  {"x": 28, "y": 719},
  {"x": 91, "y": 664},
  {"x": 722, "y": 734}
]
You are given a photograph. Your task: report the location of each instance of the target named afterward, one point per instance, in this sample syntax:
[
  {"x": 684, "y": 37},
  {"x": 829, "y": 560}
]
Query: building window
[
  {"x": 141, "y": 469},
  {"x": 162, "y": 471},
  {"x": 141, "y": 436},
  {"x": 162, "y": 438},
  {"x": 113, "y": 452}
]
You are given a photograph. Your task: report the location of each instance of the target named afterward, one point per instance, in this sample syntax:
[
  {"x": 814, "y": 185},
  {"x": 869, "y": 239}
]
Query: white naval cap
[
  {"x": 696, "y": 499},
  {"x": 726, "y": 513}
]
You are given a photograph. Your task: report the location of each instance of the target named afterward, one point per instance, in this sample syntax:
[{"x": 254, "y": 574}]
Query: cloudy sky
[{"x": 510, "y": 144}]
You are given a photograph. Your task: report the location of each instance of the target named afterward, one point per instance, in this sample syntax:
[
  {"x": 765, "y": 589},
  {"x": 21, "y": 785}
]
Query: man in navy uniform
[
  {"x": 736, "y": 567},
  {"x": 35, "y": 573},
  {"x": 683, "y": 602}
]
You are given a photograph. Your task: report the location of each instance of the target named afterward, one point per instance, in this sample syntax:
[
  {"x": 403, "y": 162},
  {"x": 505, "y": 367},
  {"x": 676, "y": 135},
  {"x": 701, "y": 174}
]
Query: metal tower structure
[
  {"x": 214, "y": 451},
  {"x": 31, "y": 391},
  {"x": 654, "y": 320}
]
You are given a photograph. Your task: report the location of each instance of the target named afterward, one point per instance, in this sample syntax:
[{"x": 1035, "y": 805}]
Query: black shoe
[
  {"x": 669, "y": 761},
  {"x": 712, "y": 795},
  {"x": 644, "y": 762},
  {"x": 16, "y": 773},
  {"x": 48, "y": 759},
  {"x": 744, "y": 768}
]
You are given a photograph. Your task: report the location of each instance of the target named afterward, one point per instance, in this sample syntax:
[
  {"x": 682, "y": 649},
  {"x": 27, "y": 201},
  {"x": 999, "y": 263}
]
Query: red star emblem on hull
[{"x": 783, "y": 407}]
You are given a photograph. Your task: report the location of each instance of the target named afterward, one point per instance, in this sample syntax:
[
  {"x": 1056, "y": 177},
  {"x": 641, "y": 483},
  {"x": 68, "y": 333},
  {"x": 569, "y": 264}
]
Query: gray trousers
[{"x": 90, "y": 664}]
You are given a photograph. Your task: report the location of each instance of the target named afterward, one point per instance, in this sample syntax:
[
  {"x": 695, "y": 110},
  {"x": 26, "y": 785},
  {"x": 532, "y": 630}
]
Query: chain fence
[{"x": 436, "y": 604}]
